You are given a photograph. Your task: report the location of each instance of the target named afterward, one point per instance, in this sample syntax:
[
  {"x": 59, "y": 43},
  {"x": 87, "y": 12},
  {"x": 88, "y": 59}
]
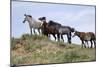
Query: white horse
[{"x": 33, "y": 24}]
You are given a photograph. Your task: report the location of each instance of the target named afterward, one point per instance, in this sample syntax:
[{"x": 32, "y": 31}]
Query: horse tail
[{"x": 93, "y": 36}]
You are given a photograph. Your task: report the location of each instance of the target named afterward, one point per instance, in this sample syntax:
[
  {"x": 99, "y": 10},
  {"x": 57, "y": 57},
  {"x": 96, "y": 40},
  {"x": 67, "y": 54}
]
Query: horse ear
[
  {"x": 44, "y": 18},
  {"x": 51, "y": 21},
  {"x": 73, "y": 29},
  {"x": 24, "y": 14}
]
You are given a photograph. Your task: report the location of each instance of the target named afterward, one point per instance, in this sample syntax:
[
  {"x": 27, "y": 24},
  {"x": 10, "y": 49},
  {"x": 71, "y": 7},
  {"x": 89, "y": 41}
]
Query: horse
[
  {"x": 62, "y": 30},
  {"x": 33, "y": 24},
  {"x": 66, "y": 30},
  {"x": 85, "y": 37},
  {"x": 48, "y": 29}
]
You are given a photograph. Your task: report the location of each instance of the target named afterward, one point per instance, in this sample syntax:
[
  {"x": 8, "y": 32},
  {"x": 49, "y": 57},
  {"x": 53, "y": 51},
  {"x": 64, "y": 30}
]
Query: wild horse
[
  {"x": 48, "y": 29},
  {"x": 33, "y": 23},
  {"x": 66, "y": 30},
  {"x": 85, "y": 37}
]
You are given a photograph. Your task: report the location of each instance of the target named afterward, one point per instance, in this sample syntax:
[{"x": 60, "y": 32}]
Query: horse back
[
  {"x": 93, "y": 37},
  {"x": 81, "y": 35},
  {"x": 53, "y": 23},
  {"x": 53, "y": 29}
]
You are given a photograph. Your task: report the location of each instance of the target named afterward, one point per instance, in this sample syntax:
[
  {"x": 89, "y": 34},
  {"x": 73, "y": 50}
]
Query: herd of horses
[{"x": 53, "y": 28}]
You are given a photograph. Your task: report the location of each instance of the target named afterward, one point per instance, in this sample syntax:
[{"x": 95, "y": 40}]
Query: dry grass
[{"x": 39, "y": 50}]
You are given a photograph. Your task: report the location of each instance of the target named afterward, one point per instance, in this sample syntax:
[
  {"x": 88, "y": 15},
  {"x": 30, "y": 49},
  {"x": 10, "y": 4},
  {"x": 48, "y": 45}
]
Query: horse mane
[
  {"x": 53, "y": 23},
  {"x": 72, "y": 29},
  {"x": 29, "y": 16},
  {"x": 43, "y": 18}
]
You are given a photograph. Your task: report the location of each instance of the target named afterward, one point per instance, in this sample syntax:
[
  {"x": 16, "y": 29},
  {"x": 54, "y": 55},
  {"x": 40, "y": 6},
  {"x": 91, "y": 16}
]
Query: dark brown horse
[
  {"x": 48, "y": 29},
  {"x": 85, "y": 37}
]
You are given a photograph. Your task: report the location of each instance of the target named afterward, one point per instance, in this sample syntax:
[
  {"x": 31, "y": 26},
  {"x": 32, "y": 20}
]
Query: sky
[{"x": 80, "y": 17}]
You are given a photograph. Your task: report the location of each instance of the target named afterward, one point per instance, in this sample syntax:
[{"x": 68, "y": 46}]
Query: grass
[{"x": 38, "y": 49}]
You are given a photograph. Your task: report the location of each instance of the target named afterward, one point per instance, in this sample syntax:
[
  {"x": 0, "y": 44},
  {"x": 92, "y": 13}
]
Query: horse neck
[
  {"x": 31, "y": 21},
  {"x": 45, "y": 24},
  {"x": 34, "y": 20},
  {"x": 78, "y": 34}
]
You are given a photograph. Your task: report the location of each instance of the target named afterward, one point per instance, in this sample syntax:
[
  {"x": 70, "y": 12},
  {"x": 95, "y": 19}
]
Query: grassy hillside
[{"x": 38, "y": 49}]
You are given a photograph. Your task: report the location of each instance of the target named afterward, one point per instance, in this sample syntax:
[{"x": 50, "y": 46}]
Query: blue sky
[{"x": 82, "y": 18}]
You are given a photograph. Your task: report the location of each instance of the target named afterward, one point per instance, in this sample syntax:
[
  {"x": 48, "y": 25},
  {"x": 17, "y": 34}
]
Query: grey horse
[{"x": 33, "y": 23}]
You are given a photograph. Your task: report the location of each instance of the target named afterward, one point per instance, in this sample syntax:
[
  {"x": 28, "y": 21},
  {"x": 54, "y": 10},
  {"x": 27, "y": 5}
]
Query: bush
[{"x": 14, "y": 42}]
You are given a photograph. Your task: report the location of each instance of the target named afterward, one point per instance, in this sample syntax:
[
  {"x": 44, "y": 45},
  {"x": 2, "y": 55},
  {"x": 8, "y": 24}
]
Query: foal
[{"x": 85, "y": 37}]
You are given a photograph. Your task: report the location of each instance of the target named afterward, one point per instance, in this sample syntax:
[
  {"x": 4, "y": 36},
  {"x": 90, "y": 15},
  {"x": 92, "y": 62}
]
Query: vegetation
[{"x": 38, "y": 49}]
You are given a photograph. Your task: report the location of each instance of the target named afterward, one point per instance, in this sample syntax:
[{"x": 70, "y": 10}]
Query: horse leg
[
  {"x": 39, "y": 30},
  {"x": 69, "y": 38},
  {"x": 62, "y": 37},
  {"x": 94, "y": 43},
  {"x": 48, "y": 35},
  {"x": 87, "y": 44},
  {"x": 54, "y": 36},
  {"x": 91, "y": 43},
  {"x": 58, "y": 35},
  {"x": 82, "y": 43},
  {"x": 31, "y": 31},
  {"x": 34, "y": 31}
]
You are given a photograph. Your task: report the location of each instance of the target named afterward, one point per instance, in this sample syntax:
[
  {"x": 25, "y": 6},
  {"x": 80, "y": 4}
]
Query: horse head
[
  {"x": 24, "y": 14},
  {"x": 75, "y": 33},
  {"x": 26, "y": 17},
  {"x": 72, "y": 29},
  {"x": 42, "y": 19}
]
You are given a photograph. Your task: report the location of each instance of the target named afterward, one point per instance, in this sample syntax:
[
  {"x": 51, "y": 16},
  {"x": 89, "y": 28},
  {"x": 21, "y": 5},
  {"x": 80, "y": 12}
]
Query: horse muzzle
[{"x": 24, "y": 21}]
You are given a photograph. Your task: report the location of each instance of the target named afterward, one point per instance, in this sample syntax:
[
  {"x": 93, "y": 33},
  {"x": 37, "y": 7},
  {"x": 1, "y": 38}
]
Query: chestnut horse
[{"x": 85, "y": 37}]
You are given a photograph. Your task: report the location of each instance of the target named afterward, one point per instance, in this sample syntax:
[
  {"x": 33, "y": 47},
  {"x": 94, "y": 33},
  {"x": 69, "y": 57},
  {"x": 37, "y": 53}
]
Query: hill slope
[{"x": 38, "y": 49}]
